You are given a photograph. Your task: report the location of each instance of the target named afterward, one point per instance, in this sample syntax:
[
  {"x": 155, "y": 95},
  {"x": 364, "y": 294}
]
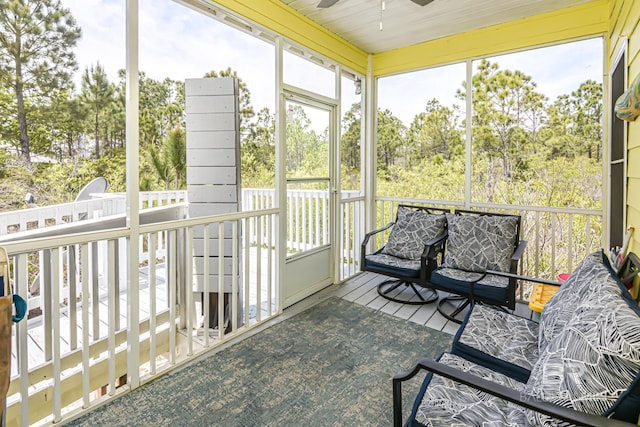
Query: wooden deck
[{"x": 362, "y": 289}]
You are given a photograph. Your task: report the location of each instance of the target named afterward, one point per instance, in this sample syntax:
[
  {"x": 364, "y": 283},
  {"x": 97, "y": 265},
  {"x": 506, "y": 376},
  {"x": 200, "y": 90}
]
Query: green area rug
[{"x": 330, "y": 365}]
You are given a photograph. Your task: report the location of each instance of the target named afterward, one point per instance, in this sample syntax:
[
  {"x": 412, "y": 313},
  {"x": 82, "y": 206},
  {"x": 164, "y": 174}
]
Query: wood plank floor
[{"x": 362, "y": 289}]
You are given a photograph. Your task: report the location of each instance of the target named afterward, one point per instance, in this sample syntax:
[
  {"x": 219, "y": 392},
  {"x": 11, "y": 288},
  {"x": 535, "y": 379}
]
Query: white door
[{"x": 310, "y": 137}]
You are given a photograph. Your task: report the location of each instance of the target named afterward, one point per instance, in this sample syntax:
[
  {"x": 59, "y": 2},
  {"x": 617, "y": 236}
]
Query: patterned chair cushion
[
  {"x": 480, "y": 243},
  {"x": 490, "y": 288},
  {"x": 443, "y": 402},
  {"x": 380, "y": 262},
  {"x": 501, "y": 341},
  {"x": 579, "y": 288},
  {"x": 412, "y": 230},
  {"x": 593, "y": 366}
]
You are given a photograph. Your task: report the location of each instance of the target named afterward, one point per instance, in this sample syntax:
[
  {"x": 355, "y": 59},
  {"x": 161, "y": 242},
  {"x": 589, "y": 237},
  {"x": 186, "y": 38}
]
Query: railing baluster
[
  {"x": 112, "y": 301},
  {"x": 86, "y": 371},
  {"x": 221, "y": 280},
  {"x": 171, "y": 285},
  {"x": 206, "y": 284},
  {"x": 95, "y": 291},
  {"x": 22, "y": 279},
  {"x": 259, "y": 275},
  {"x": 189, "y": 289},
  {"x": 72, "y": 300},
  {"x": 269, "y": 264},
  {"x": 56, "y": 275},
  {"x": 153, "y": 310},
  {"x": 234, "y": 277},
  {"x": 246, "y": 277}
]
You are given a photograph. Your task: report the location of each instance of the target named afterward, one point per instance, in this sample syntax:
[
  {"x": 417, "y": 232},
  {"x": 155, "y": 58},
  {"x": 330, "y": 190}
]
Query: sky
[{"x": 179, "y": 43}]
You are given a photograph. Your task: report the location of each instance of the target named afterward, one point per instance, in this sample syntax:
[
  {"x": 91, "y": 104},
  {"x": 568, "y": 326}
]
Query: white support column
[
  {"x": 369, "y": 163},
  {"x": 281, "y": 182},
  {"x": 133, "y": 196},
  {"x": 336, "y": 191},
  {"x": 469, "y": 127}
]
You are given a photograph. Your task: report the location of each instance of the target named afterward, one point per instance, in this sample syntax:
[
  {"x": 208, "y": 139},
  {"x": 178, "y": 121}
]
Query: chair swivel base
[
  {"x": 425, "y": 295},
  {"x": 460, "y": 303}
]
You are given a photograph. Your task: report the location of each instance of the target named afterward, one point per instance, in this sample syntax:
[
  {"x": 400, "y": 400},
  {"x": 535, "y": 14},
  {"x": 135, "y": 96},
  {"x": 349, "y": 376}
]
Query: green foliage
[
  {"x": 36, "y": 58},
  {"x": 97, "y": 94},
  {"x": 169, "y": 161}
]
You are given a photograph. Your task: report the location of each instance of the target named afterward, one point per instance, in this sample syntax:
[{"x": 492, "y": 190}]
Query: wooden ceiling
[{"x": 405, "y": 23}]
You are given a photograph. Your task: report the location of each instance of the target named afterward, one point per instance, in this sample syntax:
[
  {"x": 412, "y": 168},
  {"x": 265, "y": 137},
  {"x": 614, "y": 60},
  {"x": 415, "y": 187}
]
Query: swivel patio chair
[
  {"x": 477, "y": 242},
  {"x": 410, "y": 253}
]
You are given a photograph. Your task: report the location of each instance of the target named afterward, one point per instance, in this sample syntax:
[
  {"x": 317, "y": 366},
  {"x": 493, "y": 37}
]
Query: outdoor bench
[{"x": 580, "y": 363}]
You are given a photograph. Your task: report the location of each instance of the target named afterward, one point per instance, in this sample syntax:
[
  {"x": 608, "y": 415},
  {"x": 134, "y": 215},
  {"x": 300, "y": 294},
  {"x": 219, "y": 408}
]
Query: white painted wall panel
[
  {"x": 211, "y": 157},
  {"x": 197, "y": 210},
  {"x": 208, "y": 175},
  {"x": 211, "y": 139},
  {"x": 198, "y": 280},
  {"x": 211, "y": 122},
  {"x": 213, "y": 86},
  {"x": 210, "y": 104},
  {"x": 198, "y": 247},
  {"x": 208, "y": 193},
  {"x": 198, "y": 232},
  {"x": 214, "y": 265}
]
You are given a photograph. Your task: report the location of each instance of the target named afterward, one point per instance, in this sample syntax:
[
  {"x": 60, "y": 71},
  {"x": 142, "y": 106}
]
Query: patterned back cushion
[
  {"x": 588, "y": 282},
  {"x": 480, "y": 243},
  {"x": 590, "y": 365},
  {"x": 412, "y": 230}
]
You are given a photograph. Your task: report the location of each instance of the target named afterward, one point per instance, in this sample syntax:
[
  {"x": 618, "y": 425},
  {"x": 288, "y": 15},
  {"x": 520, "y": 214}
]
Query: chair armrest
[
  {"x": 517, "y": 254},
  {"x": 524, "y": 278},
  {"x": 371, "y": 233},
  {"x": 365, "y": 242},
  {"x": 498, "y": 390},
  {"x": 428, "y": 260}
]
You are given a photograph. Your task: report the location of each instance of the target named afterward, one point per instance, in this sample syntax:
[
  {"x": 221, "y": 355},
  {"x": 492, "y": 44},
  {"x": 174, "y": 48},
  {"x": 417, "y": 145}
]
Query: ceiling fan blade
[
  {"x": 326, "y": 3},
  {"x": 422, "y": 2}
]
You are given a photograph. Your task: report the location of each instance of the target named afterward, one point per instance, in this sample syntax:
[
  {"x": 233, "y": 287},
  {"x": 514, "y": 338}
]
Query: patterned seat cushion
[
  {"x": 501, "y": 341},
  {"x": 490, "y": 288},
  {"x": 578, "y": 289},
  {"x": 443, "y": 402},
  {"x": 481, "y": 243},
  {"x": 593, "y": 365},
  {"x": 383, "y": 263},
  {"x": 412, "y": 230}
]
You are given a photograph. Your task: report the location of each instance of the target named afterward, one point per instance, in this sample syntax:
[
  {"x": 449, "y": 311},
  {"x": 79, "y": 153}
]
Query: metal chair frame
[{"x": 428, "y": 262}]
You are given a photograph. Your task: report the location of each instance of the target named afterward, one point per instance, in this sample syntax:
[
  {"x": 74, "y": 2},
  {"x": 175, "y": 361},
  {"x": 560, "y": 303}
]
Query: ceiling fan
[{"x": 328, "y": 3}]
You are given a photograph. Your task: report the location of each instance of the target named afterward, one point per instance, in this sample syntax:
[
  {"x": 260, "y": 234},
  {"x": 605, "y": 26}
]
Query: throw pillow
[
  {"x": 589, "y": 282},
  {"x": 480, "y": 243},
  {"x": 412, "y": 230},
  {"x": 592, "y": 363}
]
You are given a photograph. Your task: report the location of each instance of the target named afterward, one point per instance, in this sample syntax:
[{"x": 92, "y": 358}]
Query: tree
[
  {"x": 587, "y": 107},
  {"x": 391, "y": 133},
  {"x": 97, "y": 94},
  {"x": 169, "y": 162},
  {"x": 434, "y": 131},
  {"x": 36, "y": 56},
  {"x": 350, "y": 140},
  {"x": 506, "y": 108},
  {"x": 258, "y": 153}
]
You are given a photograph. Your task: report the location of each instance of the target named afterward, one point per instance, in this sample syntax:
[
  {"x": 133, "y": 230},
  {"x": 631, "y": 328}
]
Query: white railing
[
  {"x": 308, "y": 221},
  {"x": 78, "y": 350},
  {"x": 45, "y": 216}
]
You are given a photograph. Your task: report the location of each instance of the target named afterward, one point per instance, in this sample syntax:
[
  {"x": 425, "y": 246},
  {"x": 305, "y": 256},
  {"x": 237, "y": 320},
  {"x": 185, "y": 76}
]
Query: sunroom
[{"x": 137, "y": 276}]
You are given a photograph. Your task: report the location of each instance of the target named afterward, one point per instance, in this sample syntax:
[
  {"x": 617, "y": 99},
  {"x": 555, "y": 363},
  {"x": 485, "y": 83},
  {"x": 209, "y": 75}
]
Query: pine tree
[
  {"x": 36, "y": 56},
  {"x": 97, "y": 93}
]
